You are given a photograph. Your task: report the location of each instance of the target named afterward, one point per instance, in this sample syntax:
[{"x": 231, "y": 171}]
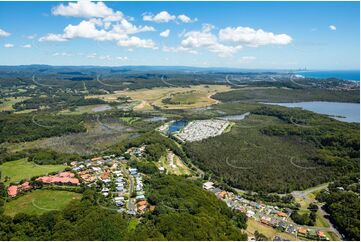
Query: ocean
[{"x": 353, "y": 75}]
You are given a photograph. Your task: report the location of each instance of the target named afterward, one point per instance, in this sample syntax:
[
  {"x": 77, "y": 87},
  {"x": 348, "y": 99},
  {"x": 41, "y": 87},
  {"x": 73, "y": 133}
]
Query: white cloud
[
  {"x": 185, "y": 19},
  {"x": 101, "y": 24},
  {"x": 53, "y": 37},
  {"x": 332, "y": 27},
  {"x": 87, "y": 9},
  {"x": 88, "y": 29},
  {"x": 247, "y": 59},
  {"x": 3, "y": 33},
  {"x": 122, "y": 58},
  {"x": 62, "y": 54},
  {"x": 206, "y": 39},
  {"x": 32, "y": 36},
  {"x": 161, "y": 17},
  {"x": 179, "y": 49},
  {"x": 8, "y": 46},
  {"x": 252, "y": 37},
  {"x": 105, "y": 57},
  {"x": 91, "y": 56},
  {"x": 224, "y": 50},
  {"x": 196, "y": 39},
  {"x": 137, "y": 42},
  {"x": 27, "y": 46},
  {"x": 165, "y": 33}
]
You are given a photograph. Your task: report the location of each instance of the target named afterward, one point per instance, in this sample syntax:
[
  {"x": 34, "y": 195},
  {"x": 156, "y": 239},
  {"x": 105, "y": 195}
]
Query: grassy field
[
  {"x": 196, "y": 96},
  {"x": 6, "y": 104},
  {"x": 270, "y": 233},
  {"x": 332, "y": 236},
  {"x": 22, "y": 169},
  {"x": 183, "y": 98},
  {"x": 40, "y": 201}
]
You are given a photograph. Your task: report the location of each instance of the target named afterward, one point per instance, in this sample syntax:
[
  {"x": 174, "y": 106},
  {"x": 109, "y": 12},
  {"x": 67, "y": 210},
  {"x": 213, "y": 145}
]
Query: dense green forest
[
  {"x": 183, "y": 212},
  {"x": 279, "y": 150},
  {"x": 28, "y": 127},
  {"x": 289, "y": 95}
]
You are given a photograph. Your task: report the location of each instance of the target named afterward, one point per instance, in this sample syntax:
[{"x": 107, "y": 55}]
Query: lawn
[
  {"x": 22, "y": 169},
  {"x": 40, "y": 201}
]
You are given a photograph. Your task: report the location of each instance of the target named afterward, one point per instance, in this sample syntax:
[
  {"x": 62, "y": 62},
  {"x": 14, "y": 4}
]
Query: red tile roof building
[
  {"x": 13, "y": 190},
  {"x": 62, "y": 177}
]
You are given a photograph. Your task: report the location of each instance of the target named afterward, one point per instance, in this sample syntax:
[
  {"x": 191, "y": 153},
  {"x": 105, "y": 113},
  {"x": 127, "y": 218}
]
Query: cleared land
[
  {"x": 174, "y": 165},
  {"x": 40, "y": 201},
  {"x": 186, "y": 97},
  {"x": 22, "y": 169}
]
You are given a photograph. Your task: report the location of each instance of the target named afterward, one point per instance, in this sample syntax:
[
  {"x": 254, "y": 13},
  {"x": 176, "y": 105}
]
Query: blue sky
[{"x": 272, "y": 35}]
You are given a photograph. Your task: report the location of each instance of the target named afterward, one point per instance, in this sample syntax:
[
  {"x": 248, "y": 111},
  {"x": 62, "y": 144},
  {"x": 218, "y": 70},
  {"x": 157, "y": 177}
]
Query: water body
[
  {"x": 176, "y": 126},
  {"x": 352, "y": 75},
  {"x": 235, "y": 117},
  {"x": 346, "y": 112}
]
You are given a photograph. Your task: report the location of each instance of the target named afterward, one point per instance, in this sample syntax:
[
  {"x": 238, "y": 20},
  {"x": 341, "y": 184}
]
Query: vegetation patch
[
  {"x": 130, "y": 120},
  {"x": 289, "y": 95},
  {"x": 15, "y": 171},
  {"x": 28, "y": 127},
  {"x": 40, "y": 201},
  {"x": 6, "y": 104}
]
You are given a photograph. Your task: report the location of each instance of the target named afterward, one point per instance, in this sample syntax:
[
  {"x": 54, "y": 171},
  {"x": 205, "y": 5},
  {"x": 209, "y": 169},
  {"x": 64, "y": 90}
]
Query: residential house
[
  {"x": 302, "y": 231},
  {"x": 208, "y": 185}
]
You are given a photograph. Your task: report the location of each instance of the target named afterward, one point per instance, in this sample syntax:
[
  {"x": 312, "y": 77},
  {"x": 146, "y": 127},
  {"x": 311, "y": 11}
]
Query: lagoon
[{"x": 346, "y": 112}]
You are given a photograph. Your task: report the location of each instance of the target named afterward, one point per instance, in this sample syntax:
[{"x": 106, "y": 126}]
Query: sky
[{"x": 250, "y": 35}]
